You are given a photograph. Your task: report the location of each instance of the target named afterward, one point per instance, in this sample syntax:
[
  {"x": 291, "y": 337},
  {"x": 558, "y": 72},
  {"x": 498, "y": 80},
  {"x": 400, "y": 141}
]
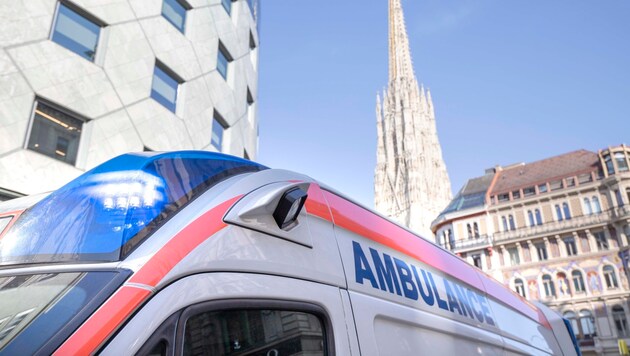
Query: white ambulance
[{"x": 198, "y": 253}]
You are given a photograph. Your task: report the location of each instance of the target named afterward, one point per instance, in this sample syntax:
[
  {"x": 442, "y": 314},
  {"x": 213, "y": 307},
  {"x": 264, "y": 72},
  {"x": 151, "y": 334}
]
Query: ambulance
[{"x": 199, "y": 253}]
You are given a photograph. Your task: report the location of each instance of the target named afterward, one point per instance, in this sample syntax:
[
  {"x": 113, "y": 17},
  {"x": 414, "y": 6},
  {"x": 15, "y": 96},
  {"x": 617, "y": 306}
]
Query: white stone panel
[
  {"x": 222, "y": 96},
  {"x": 15, "y": 113},
  {"x": 25, "y": 21},
  {"x": 67, "y": 79},
  {"x": 204, "y": 38},
  {"x": 159, "y": 129},
  {"x": 112, "y": 135},
  {"x": 109, "y": 11},
  {"x": 171, "y": 47},
  {"x": 30, "y": 172},
  {"x": 146, "y": 8},
  {"x": 129, "y": 62}
]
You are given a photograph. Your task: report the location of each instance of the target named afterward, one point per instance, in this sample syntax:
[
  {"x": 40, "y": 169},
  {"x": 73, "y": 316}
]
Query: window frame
[
  {"x": 172, "y": 75},
  {"x": 610, "y": 277},
  {"x": 97, "y": 55},
  {"x": 223, "y": 52},
  {"x": 250, "y": 304},
  {"x": 577, "y": 277},
  {"x": 218, "y": 118},
  {"x": 548, "y": 286},
  {"x": 186, "y": 6},
  {"x": 619, "y": 315},
  {"x": 85, "y": 121}
]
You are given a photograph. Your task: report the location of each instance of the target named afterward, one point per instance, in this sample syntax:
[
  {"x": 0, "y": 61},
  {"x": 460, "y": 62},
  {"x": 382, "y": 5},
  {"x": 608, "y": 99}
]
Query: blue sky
[{"x": 512, "y": 81}]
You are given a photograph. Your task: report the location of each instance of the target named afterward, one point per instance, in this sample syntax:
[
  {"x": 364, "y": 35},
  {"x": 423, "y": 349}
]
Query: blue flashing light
[{"x": 105, "y": 213}]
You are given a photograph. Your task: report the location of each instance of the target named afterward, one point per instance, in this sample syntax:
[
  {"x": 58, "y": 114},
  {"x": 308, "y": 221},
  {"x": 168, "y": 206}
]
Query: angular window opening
[
  {"x": 223, "y": 60},
  {"x": 218, "y": 129},
  {"x": 227, "y": 5},
  {"x": 165, "y": 86},
  {"x": 76, "y": 32},
  {"x": 252, "y": 42},
  {"x": 55, "y": 133},
  {"x": 175, "y": 12}
]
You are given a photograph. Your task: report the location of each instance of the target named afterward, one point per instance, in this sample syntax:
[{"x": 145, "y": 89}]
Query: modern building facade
[
  {"x": 411, "y": 184},
  {"x": 555, "y": 231},
  {"x": 82, "y": 81}
]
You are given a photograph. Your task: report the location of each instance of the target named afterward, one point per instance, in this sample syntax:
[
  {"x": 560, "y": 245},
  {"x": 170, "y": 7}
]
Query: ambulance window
[{"x": 254, "y": 332}]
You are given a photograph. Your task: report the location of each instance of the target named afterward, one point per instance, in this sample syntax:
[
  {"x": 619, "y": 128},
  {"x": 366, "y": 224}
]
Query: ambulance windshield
[{"x": 105, "y": 213}]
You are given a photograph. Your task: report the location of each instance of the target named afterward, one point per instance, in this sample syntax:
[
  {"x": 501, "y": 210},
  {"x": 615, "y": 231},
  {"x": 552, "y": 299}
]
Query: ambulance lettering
[{"x": 406, "y": 280}]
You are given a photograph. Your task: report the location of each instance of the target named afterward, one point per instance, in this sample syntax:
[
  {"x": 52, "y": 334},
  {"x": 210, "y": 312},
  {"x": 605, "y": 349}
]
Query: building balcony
[
  {"x": 556, "y": 227},
  {"x": 474, "y": 243},
  {"x": 621, "y": 212}
]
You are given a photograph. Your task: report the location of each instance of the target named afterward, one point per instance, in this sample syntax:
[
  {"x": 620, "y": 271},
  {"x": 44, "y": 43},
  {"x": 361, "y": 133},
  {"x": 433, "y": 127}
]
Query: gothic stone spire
[{"x": 411, "y": 184}]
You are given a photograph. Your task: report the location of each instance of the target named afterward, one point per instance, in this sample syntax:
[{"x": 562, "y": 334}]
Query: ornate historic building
[
  {"x": 82, "y": 81},
  {"x": 555, "y": 231},
  {"x": 411, "y": 184}
]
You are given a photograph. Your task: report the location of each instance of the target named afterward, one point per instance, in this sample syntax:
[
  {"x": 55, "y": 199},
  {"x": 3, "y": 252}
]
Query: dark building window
[
  {"x": 542, "y": 188},
  {"x": 621, "y": 323},
  {"x": 548, "y": 285},
  {"x": 254, "y": 332},
  {"x": 578, "y": 281},
  {"x": 610, "y": 277},
  {"x": 570, "y": 245},
  {"x": 512, "y": 225},
  {"x": 477, "y": 261},
  {"x": 252, "y": 42},
  {"x": 223, "y": 60},
  {"x": 165, "y": 86},
  {"x": 76, "y": 32},
  {"x": 609, "y": 165},
  {"x": 529, "y": 191},
  {"x": 567, "y": 212},
  {"x": 539, "y": 220},
  {"x": 542, "y": 251},
  {"x": 175, "y": 12},
  {"x": 218, "y": 128},
  {"x": 519, "y": 287},
  {"x": 55, "y": 133},
  {"x": 602, "y": 241}
]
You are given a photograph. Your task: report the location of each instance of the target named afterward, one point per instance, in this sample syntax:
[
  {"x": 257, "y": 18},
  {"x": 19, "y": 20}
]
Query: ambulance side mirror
[{"x": 274, "y": 209}]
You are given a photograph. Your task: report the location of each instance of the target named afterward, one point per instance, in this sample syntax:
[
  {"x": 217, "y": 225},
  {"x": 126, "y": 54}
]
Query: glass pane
[
  {"x": 227, "y": 5},
  {"x": 217, "y": 134},
  {"x": 55, "y": 134},
  {"x": 620, "y": 157},
  {"x": 175, "y": 13},
  {"x": 76, "y": 33},
  {"x": 254, "y": 332},
  {"x": 222, "y": 64},
  {"x": 164, "y": 89},
  {"x": 37, "y": 308}
]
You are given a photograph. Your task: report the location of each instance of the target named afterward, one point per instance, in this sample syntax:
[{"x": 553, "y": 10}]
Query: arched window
[
  {"x": 538, "y": 217},
  {"x": 587, "y": 324},
  {"x": 469, "y": 231},
  {"x": 621, "y": 323},
  {"x": 548, "y": 286},
  {"x": 587, "y": 206},
  {"x": 519, "y": 287},
  {"x": 578, "y": 281},
  {"x": 505, "y": 225},
  {"x": 530, "y": 216},
  {"x": 567, "y": 213},
  {"x": 476, "y": 230},
  {"x": 563, "y": 284},
  {"x": 512, "y": 226},
  {"x": 570, "y": 316},
  {"x": 596, "y": 207},
  {"x": 610, "y": 277},
  {"x": 559, "y": 212}
]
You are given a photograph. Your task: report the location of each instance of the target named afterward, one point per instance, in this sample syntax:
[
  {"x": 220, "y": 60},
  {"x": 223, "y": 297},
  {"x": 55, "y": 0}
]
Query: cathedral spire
[{"x": 400, "y": 65}]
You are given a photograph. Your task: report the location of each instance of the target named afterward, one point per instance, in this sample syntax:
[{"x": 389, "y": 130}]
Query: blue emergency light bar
[{"x": 107, "y": 212}]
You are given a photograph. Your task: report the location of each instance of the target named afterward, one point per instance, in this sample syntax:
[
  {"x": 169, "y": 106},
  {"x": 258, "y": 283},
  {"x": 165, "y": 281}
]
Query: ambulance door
[{"x": 239, "y": 314}]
